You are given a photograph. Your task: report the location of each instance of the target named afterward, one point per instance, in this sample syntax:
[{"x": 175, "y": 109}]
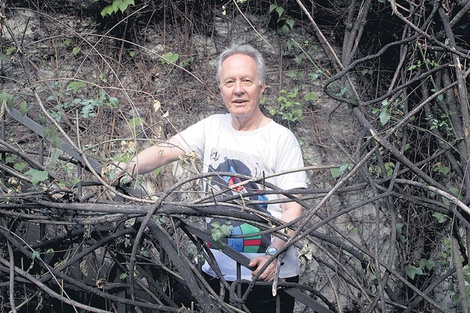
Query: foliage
[
  {"x": 66, "y": 101},
  {"x": 377, "y": 89},
  {"x": 116, "y": 6},
  {"x": 220, "y": 231}
]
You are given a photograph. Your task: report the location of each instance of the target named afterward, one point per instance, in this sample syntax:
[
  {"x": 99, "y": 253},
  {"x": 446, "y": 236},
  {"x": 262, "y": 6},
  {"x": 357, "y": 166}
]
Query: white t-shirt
[{"x": 257, "y": 153}]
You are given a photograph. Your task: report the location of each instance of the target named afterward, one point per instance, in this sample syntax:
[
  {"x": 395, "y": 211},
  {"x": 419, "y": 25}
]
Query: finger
[
  {"x": 113, "y": 173},
  {"x": 125, "y": 179}
]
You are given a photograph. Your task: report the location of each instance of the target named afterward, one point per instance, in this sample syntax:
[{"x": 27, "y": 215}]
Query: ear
[{"x": 262, "y": 88}]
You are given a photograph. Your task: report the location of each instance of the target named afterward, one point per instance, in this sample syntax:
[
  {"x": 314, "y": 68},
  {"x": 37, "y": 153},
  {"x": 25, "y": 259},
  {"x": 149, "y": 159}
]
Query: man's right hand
[{"x": 116, "y": 174}]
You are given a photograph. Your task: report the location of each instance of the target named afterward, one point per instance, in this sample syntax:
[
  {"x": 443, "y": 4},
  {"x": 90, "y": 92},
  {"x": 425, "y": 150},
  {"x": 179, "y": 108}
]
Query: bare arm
[
  {"x": 149, "y": 160},
  {"x": 290, "y": 211}
]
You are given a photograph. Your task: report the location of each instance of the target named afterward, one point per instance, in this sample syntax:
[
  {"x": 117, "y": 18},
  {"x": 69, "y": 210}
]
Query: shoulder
[
  {"x": 210, "y": 121},
  {"x": 216, "y": 119},
  {"x": 281, "y": 131}
]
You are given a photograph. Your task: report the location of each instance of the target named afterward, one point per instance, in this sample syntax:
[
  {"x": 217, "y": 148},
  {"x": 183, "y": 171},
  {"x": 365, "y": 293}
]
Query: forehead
[{"x": 239, "y": 64}]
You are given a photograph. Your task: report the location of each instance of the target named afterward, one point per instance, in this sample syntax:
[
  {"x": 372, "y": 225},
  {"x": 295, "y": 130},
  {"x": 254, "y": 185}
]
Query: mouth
[{"x": 239, "y": 101}]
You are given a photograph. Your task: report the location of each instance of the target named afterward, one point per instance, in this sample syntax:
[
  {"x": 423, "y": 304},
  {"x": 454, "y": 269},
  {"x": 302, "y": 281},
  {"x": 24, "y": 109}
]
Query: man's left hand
[{"x": 270, "y": 271}]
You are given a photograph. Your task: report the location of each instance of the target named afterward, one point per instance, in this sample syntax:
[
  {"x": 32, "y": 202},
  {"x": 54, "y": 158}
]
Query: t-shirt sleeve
[
  {"x": 290, "y": 158},
  {"x": 193, "y": 138}
]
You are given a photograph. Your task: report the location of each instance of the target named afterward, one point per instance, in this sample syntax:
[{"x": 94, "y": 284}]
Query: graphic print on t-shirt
[{"x": 239, "y": 239}]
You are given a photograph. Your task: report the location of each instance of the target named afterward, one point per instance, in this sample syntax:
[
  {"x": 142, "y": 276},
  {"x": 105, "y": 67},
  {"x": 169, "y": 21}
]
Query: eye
[
  {"x": 247, "y": 82},
  {"x": 229, "y": 83}
]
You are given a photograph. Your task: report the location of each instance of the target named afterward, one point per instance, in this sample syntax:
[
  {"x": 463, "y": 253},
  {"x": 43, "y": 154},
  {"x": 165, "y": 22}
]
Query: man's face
[{"x": 240, "y": 86}]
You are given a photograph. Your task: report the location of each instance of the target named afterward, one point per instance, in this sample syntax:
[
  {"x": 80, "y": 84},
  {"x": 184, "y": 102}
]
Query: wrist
[{"x": 271, "y": 251}]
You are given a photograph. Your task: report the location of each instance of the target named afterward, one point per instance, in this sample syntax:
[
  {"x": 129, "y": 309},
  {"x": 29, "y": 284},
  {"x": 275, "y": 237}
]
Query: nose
[{"x": 238, "y": 88}]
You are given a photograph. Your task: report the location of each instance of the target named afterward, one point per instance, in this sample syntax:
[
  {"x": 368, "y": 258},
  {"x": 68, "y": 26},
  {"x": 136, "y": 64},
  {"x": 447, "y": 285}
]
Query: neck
[{"x": 246, "y": 124}]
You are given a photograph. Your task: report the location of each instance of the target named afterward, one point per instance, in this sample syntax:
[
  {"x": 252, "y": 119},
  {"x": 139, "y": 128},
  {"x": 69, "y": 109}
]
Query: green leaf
[
  {"x": 311, "y": 96},
  {"x": 216, "y": 234},
  {"x": 144, "y": 252},
  {"x": 123, "y": 276},
  {"x": 37, "y": 176},
  {"x": 113, "y": 102},
  {"x": 285, "y": 29},
  {"x": 455, "y": 191},
  {"x": 216, "y": 224},
  {"x": 6, "y": 98},
  {"x": 290, "y": 22},
  {"x": 135, "y": 121},
  {"x": 272, "y": 7},
  {"x": 412, "y": 271},
  {"x": 23, "y": 107},
  {"x": 36, "y": 255},
  {"x": 76, "y": 51},
  {"x": 103, "y": 78},
  {"x": 441, "y": 218},
  {"x": 55, "y": 140},
  {"x": 399, "y": 227},
  {"x": 427, "y": 264},
  {"x": 76, "y": 85},
  {"x": 11, "y": 50},
  {"x": 55, "y": 156},
  {"x": 20, "y": 166},
  {"x": 389, "y": 166},
  {"x": 384, "y": 116},
  {"x": 336, "y": 172},
  {"x": 169, "y": 58},
  {"x": 443, "y": 170},
  {"x": 226, "y": 230},
  {"x": 11, "y": 159},
  {"x": 108, "y": 10}
]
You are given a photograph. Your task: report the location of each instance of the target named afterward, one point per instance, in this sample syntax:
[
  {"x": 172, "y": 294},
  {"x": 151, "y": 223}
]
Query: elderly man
[{"x": 243, "y": 141}]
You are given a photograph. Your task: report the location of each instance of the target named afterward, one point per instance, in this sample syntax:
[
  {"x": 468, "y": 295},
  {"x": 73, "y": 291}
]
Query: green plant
[
  {"x": 87, "y": 106},
  {"x": 440, "y": 123},
  {"x": 388, "y": 109},
  {"x": 220, "y": 231},
  {"x": 287, "y": 23},
  {"x": 339, "y": 171},
  {"x": 172, "y": 58},
  {"x": 68, "y": 43},
  {"x": 424, "y": 265},
  {"x": 116, "y": 6},
  {"x": 289, "y": 107}
]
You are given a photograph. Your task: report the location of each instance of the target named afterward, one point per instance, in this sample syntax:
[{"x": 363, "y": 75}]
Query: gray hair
[{"x": 246, "y": 50}]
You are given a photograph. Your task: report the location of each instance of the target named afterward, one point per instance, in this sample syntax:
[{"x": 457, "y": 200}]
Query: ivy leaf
[
  {"x": 135, "y": 121},
  {"x": 290, "y": 22},
  {"x": 37, "y": 176},
  {"x": 440, "y": 217},
  {"x": 384, "y": 116},
  {"x": 76, "y": 51},
  {"x": 412, "y": 271},
  {"x": 427, "y": 264},
  {"x": 11, "y": 159},
  {"x": 20, "y": 166},
  {"x": 226, "y": 229},
  {"x": 76, "y": 85},
  {"x": 338, "y": 171},
  {"x": 170, "y": 57},
  {"x": 36, "y": 255}
]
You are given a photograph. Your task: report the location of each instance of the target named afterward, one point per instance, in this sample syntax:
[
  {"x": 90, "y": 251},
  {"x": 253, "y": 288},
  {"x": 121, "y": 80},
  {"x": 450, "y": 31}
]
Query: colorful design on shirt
[
  {"x": 246, "y": 244},
  {"x": 238, "y": 167},
  {"x": 249, "y": 244}
]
